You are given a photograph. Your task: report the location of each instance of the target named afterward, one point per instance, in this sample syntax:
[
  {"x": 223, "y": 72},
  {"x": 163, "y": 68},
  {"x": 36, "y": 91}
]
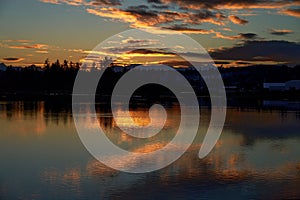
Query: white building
[
  {"x": 292, "y": 85},
  {"x": 274, "y": 86},
  {"x": 289, "y": 85}
]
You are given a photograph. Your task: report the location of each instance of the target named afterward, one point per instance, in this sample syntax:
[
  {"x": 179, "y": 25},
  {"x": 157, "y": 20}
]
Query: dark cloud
[
  {"x": 150, "y": 51},
  {"x": 12, "y": 59},
  {"x": 141, "y": 13},
  {"x": 278, "y": 51},
  {"x": 139, "y": 7},
  {"x": 140, "y": 16},
  {"x": 280, "y": 32},
  {"x": 160, "y": 6},
  {"x": 83, "y": 2},
  {"x": 240, "y": 36},
  {"x": 166, "y": 13},
  {"x": 205, "y": 16},
  {"x": 155, "y": 1},
  {"x": 185, "y": 29},
  {"x": 106, "y": 2},
  {"x": 232, "y": 4},
  {"x": 247, "y": 36}
]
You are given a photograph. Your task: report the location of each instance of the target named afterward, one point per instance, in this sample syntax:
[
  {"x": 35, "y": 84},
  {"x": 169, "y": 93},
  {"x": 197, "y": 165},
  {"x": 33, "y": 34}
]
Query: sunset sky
[{"x": 233, "y": 32}]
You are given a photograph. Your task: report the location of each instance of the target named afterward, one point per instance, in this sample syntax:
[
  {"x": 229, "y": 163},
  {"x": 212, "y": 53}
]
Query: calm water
[{"x": 257, "y": 157}]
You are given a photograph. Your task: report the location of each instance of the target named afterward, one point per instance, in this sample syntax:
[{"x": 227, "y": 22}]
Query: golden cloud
[
  {"x": 29, "y": 46},
  {"x": 291, "y": 12},
  {"x": 236, "y": 20}
]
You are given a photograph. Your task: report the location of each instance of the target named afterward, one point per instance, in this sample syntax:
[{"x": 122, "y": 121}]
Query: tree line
[{"x": 58, "y": 78}]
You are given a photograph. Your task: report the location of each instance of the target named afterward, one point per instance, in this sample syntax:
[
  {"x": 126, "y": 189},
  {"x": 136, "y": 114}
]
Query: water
[{"x": 42, "y": 157}]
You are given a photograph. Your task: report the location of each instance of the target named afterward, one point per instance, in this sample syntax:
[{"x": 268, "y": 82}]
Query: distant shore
[
  {"x": 250, "y": 85},
  {"x": 278, "y": 100}
]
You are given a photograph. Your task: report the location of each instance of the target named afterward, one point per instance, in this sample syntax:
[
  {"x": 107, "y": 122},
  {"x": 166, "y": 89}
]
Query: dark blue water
[{"x": 42, "y": 157}]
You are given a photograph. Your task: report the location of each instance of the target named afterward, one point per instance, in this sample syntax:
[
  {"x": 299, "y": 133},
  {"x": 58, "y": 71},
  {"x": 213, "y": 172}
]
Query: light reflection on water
[{"x": 257, "y": 156}]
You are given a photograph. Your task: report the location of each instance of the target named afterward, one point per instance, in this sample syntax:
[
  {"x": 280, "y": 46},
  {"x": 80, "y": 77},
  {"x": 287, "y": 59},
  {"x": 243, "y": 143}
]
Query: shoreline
[{"x": 238, "y": 100}]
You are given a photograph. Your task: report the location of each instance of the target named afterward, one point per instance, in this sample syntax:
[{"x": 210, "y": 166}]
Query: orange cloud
[
  {"x": 50, "y": 1},
  {"x": 12, "y": 59},
  {"x": 69, "y": 2},
  {"x": 281, "y": 31},
  {"x": 39, "y": 51},
  {"x": 83, "y": 2},
  {"x": 227, "y": 29},
  {"x": 32, "y": 46},
  {"x": 113, "y": 13},
  {"x": 17, "y": 41},
  {"x": 192, "y": 12},
  {"x": 236, "y": 20},
  {"x": 291, "y": 12},
  {"x": 142, "y": 18}
]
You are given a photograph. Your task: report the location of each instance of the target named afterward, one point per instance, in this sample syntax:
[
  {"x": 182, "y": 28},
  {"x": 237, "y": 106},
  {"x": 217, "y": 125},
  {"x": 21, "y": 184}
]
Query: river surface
[{"x": 42, "y": 157}]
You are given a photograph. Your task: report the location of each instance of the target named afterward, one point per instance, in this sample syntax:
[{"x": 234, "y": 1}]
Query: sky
[{"x": 234, "y": 32}]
